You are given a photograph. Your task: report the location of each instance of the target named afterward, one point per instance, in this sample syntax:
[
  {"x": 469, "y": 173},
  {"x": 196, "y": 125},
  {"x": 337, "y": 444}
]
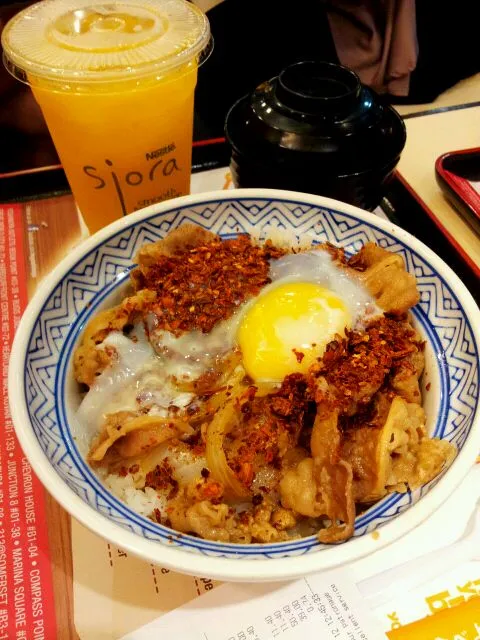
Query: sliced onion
[
  {"x": 231, "y": 389},
  {"x": 216, "y": 458},
  {"x": 209, "y": 385},
  {"x": 120, "y": 426}
]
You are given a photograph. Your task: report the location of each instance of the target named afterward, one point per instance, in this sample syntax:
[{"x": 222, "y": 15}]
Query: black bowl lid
[{"x": 316, "y": 108}]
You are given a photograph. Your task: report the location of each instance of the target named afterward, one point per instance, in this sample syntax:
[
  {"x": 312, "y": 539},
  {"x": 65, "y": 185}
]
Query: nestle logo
[{"x": 151, "y": 155}]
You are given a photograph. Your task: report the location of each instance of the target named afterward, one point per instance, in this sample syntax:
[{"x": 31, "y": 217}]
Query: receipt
[{"x": 326, "y": 605}]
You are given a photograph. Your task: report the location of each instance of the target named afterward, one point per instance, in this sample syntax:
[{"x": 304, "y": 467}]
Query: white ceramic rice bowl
[{"x": 41, "y": 390}]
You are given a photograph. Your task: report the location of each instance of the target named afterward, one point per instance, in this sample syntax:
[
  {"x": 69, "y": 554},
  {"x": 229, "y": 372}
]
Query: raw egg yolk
[{"x": 284, "y": 330}]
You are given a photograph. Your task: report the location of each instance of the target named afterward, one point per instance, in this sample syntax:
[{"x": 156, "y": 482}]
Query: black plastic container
[{"x": 315, "y": 128}]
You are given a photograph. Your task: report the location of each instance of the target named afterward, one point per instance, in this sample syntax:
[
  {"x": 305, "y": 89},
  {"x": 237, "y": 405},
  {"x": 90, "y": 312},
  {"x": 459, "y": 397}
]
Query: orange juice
[
  {"x": 126, "y": 150},
  {"x": 116, "y": 84}
]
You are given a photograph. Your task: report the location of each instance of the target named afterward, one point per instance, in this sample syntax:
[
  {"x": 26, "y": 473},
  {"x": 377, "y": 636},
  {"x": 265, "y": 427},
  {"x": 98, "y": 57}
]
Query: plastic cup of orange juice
[{"x": 115, "y": 81}]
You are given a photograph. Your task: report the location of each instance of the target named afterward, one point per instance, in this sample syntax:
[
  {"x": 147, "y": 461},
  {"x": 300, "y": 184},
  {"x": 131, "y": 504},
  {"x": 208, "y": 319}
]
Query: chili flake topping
[
  {"x": 356, "y": 367},
  {"x": 199, "y": 287}
]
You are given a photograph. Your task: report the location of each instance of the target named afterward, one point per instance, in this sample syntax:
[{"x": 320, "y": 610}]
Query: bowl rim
[{"x": 196, "y": 563}]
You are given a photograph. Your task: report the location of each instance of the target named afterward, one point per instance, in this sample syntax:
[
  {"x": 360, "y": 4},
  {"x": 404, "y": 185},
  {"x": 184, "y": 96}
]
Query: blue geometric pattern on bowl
[{"x": 103, "y": 270}]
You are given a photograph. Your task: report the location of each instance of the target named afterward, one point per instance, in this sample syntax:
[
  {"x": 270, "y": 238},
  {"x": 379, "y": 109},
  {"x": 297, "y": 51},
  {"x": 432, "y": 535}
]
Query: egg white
[
  {"x": 318, "y": 267},
  {"x": 142, "y": 376}
]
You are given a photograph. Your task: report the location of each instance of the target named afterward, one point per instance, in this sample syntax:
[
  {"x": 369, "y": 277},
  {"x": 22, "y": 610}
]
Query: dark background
[{"x": 254, "y": 40}]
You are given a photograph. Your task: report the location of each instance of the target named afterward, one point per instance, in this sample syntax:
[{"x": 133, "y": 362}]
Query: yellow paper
[{"x": 458, "y": 623}]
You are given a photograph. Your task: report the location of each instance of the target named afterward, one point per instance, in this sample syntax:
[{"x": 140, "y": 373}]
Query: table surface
[
  {"x": 428, "y": 136},
  {"x": 49, "y": 248}
]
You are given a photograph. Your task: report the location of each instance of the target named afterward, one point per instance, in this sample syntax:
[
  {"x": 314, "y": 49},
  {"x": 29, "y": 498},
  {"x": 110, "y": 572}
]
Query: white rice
[
  {"x": 143, "y": 501},
  {"x": 282, "y": 238},
  {"x": 186, "y": 467}
]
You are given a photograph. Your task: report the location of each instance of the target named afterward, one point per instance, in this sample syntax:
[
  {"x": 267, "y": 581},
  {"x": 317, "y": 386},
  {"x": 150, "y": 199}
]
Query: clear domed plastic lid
[{"x": 100, "y": 40}]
